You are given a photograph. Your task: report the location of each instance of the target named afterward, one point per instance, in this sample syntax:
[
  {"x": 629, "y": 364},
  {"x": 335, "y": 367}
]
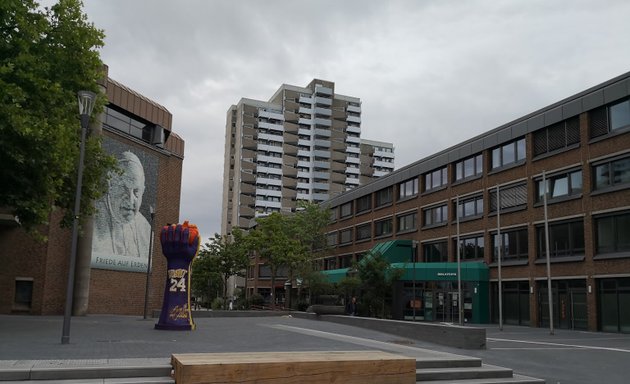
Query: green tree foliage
[
  {"x": 274, "y": 242},
  {"x": 307, "y": 226},
  {"x": 46, "y": 56},
  {"x": 377, "y": 277},
  {"x": 222, "y": 257},
  {"x": 291, "y": 241},
  {"x": 206, "y": 280}
]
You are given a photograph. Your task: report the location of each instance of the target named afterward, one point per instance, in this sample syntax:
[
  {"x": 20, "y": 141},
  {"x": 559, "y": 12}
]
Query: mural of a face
[{"x": 126, "y": 190}]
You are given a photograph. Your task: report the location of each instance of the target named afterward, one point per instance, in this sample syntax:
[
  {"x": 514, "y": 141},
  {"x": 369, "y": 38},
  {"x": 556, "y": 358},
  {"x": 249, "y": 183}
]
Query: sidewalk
[{"x": 33, "y": 343}]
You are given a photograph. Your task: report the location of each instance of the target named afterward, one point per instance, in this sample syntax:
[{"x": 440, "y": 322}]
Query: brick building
[
  {"x": 581, "y": 147},
  {"x": 108, "y": 280}
]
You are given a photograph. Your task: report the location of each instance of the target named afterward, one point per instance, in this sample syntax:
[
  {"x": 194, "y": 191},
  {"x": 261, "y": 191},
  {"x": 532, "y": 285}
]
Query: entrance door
[
  {"x": 569, "y": 304},
  {"x": 446, "y": 306}
]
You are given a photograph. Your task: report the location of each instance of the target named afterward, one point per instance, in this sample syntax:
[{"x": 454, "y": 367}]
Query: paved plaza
[{"x": 565, "y": 357}]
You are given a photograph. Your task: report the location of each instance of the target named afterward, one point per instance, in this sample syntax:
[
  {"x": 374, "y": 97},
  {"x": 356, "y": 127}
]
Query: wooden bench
[{"x": 294, "y": 367}]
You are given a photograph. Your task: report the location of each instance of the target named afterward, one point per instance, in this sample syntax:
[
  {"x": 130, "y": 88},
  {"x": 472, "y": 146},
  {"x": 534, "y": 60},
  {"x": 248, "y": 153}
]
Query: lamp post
[
  {"x": 148, "y": 282},
  {"x": 86, "y": 104}
]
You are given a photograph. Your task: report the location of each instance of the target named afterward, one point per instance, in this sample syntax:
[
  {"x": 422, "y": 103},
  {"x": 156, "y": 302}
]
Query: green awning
[
  {"x": 471, "y": 271},
  {"x": 335, "y": 275}
]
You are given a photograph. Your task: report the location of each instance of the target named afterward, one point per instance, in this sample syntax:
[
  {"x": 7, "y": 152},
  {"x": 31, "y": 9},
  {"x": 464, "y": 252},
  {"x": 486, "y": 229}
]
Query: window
[
  {"x": 364, "y": 232},
  {"x": 511, "y": 196},
  {"x": 557, "y": 136},
  {"x": 345, "y": 261},
  {"x": 470, "y": 207},
  {"x": 471, "y": 248},
  {"x": 331, "y": 239},
  {"x": 330, "y": 263},
  {"x": 435, "y": 215},
  {"x": 609, "y": 118},
  {"x": 130, "y": 125},
  {"x": 23, "y": 297},
  {"x": 470, "y": 167},
  {"x": 565, "y": 239},
  {"x": 508, "y": 154},
  {"x": 384, "y": 196},
  {"x": 612, "y": 233},
  {"x": 407, "y": 188},
  {"x": 383, "y": 228},
  {"x": 612, "y": 173},
  {"x": 435, "y": 252},
  {"x": 406, "y": 222},
  {"x": 364, "y": 203},
  {"x": 264, "y": 271},
  {"x": 560, "y": 185},
  {"x": 513, "y": 245},
  {"x": 333, "y": 214},
  {"x": 619, "y": 115},
  {"x": 435, "y": 179},
  {"x": 346, "y": 210},
  {"x": 345, "y": 236}
]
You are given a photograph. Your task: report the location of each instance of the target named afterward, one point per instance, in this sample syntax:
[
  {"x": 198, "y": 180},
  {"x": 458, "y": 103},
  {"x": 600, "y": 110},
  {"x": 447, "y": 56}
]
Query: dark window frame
[
  {"x": 610, "y": 184},
  {"x": 384, "y": 197},
  {"x": 407, "y": 189},
  {"x": 505, "y": 163},
  {"x": 379, "y": 229},
  {"x": 521, "y": 246},
  {"x": 432, "y": 211},
  {"x": 400, "y": 218},
  {"x": 478, "y": 208},
  {"x": 478, "y": 251},
  {"x": 360, "y": 207},
  {"x": 430, "y": 247},
  {"x": 439, "y": 173},
  {"x": 615, "y": 231},
  {"x": 573, "y": 248},
  {"x": 460, "y": 168},
  {"x": 552, "y": 182},
  {"x": 363, "y": 232}
]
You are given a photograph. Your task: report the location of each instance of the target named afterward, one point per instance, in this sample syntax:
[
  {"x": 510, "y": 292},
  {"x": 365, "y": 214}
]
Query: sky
[{"x": 430, "y": 74}]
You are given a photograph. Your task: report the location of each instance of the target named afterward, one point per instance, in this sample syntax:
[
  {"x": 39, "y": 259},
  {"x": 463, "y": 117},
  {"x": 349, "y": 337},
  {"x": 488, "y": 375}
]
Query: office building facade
[{"x": 562, "y": 171}]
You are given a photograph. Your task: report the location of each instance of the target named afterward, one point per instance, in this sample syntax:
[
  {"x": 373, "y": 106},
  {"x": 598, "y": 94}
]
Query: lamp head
[{"x": 86, "y": 102}]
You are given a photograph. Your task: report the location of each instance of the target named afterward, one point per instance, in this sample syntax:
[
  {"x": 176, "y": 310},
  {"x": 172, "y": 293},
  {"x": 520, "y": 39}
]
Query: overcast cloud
[{"x": 430, "y": 74}]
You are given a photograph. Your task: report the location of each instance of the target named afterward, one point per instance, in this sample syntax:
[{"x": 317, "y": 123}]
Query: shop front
[{"x": 429, "y": 292}]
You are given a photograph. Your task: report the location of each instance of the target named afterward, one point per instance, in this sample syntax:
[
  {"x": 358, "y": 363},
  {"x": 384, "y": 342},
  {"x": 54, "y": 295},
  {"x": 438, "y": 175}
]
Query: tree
[
  {"x": 291, "y": 241},
  {"x": 224, "y": 256},
  {"x": 307, "y": 226},
  {"x": 272, "y": 239},
  {"x": 46, "y": 56},
  {"x": 206, "y": 281},
  {"x": 377, "y": 277}
]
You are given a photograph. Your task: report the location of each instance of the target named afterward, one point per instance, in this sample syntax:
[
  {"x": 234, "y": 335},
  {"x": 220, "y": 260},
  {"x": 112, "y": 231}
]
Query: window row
[
  {"x": 380, "y": 228},
  {"x": 566, "y": 239},
  {"x": 609, "y": 174}
]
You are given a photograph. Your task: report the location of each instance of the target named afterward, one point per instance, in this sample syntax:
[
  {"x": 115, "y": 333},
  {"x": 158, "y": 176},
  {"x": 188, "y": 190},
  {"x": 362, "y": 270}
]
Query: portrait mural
[{"x": 122, "y": 228}]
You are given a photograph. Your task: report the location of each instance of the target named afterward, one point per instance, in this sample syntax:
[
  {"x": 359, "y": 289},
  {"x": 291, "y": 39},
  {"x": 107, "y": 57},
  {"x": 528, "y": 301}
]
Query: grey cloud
[{"x": 444, "y": 70}]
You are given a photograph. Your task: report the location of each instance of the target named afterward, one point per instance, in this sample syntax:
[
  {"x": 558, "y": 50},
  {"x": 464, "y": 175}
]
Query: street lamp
[
  {"x": 86, "y": 104},
  {"x": 148, "y": 282}
]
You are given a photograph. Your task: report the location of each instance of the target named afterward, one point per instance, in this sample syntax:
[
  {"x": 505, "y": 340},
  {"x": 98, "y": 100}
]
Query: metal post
[
  {"x": 148, "y": 283},
  {"x": 86, "y": 103},
  {"x": 499, "y": 254},
  {"x": 459, "y": 267},
  {"x": 414, "y": 250},
  {"x": 550, "y": 295}
]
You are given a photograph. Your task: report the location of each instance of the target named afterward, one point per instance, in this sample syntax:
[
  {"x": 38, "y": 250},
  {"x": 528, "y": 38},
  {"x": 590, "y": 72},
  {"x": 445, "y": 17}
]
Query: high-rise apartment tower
[{"x": 303, "y": 144}]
